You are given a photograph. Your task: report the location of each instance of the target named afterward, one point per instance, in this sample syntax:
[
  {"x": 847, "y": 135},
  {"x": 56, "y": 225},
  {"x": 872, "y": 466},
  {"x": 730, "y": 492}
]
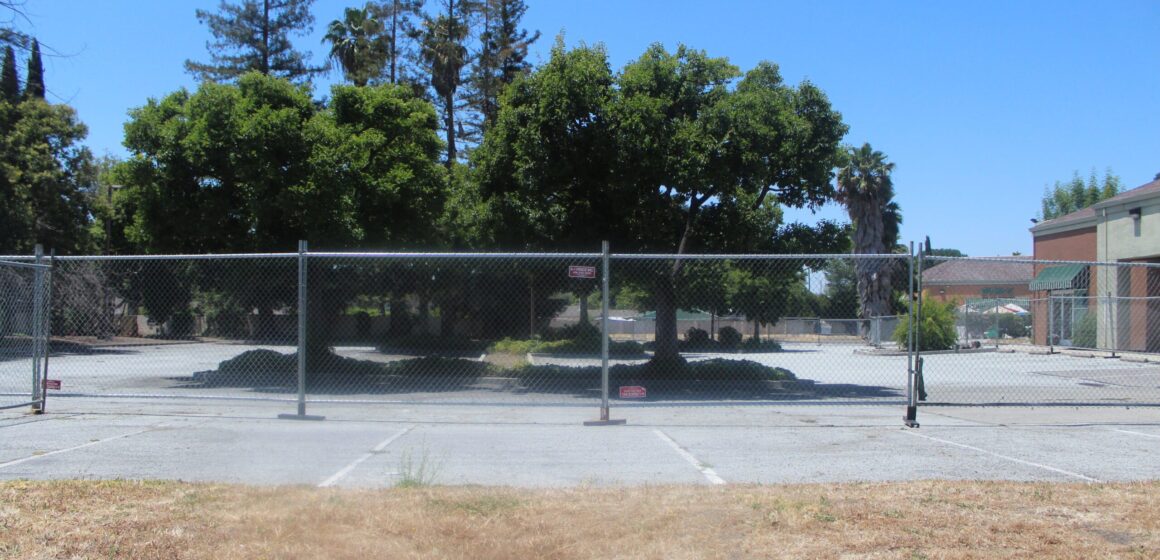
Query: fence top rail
[
  {"x": 5, "y": 262},
  {"x": 455, "y": 255},
  {"x": 754, "y": 256},
  {"x": 1017, "y": 260}
]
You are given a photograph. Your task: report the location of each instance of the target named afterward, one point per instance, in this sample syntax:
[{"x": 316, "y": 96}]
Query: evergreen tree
[
  {"x": 9, "y": 79},
  {"x": 398, "y": 18},
  {"x": 34, "y": 88},
  {"x": 255, "y": 36},
  {"x": 502, "y": 56},
  {"x": 1064, "y": 198}
]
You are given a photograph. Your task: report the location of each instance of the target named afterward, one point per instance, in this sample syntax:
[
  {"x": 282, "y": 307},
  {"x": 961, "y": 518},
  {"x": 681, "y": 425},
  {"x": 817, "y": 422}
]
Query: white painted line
[
  {"x": 74, "y": 448},
  {"x": 708, "y": 472},
  {"x": 1012, "y": 459},
  {"x": 1136, "y": 433},
  {"x": 378, "y": 449}
]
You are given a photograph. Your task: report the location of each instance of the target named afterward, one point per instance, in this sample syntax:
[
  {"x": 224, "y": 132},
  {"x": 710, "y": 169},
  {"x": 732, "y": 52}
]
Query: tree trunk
[
  {"x": 666, "y": 349},
  {"x": 449, "y": 120},
  {"x": 757, "y": 330},
  {"x": 400, "y": 323},
  {"x": 584, "y": 308}
]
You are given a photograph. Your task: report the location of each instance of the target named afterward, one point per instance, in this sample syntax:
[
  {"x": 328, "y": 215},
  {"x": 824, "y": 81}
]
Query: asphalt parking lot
[{"x": 546, "y": 446}]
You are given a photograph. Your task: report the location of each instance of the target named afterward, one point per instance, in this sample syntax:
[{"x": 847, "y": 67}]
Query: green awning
[{"x": 1060, "y": 277}]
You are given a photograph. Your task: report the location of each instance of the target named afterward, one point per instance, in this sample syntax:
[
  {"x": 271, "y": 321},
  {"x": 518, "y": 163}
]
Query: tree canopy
[
  {"x": 254, "y": 36},
  {"x": 1075, "y": 194}
]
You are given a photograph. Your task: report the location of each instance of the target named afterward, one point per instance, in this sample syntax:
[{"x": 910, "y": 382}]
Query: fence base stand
[
  {"x": 604, "y": 420},
  {"x": 300, "y": 417},
  {"x": 36, "y": 410},
  {"x": 911, "y": 418}
]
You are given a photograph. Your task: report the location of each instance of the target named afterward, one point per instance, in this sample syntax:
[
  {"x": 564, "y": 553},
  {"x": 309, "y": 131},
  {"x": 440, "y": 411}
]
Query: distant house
[
  {"x": 1124, "y": 299},
  {"x": 967, "y": 280}
]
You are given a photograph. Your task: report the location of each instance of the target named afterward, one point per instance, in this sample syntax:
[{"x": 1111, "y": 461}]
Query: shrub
[
  {"x": 936, "y": 326},
  {"x": 574, "y": 331},
  {"x": 717, "y": 369},
  {"x": 1014, "y": 326},
  {"x": 695, "y": 336},
  {"x": 1084, "y": 332},
  {"x": 513, "y": 346},
  {"x": 728, "y": 338},
  {"x": 753, "y": 344}
]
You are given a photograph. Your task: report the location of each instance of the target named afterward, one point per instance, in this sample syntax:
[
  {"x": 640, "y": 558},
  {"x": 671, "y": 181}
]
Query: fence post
[
  {"x": 1050, "y": 324},
  {"x": 604, "y": 417},
  {"x": 911, "y": 418},
  {"x": 302, "y": 321},
  {"x": 38, "y": 344}
]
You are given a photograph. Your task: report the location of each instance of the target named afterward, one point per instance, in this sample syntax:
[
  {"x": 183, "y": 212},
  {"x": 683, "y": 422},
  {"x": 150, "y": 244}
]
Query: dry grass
[{"x": 94, "y": 519}]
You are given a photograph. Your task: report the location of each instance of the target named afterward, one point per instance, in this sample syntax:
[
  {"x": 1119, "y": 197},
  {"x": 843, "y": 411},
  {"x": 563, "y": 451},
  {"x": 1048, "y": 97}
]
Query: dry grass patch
[{"x": 124, "y": 519}]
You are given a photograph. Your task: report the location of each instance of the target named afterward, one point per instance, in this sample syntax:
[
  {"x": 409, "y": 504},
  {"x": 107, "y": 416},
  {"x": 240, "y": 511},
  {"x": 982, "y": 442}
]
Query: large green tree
[
  {"x": 650, "y": 158},
  {"x": 46, "y": 176},
  {"x": 866, "y": 189},
  {"x": 254, "y": 36}
]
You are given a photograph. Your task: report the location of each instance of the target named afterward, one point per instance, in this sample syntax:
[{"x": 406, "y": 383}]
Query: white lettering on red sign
[
  {"x": 52, "y": 384},
  {"x": 581, "y": 271},
  {"x": 632, "y": 392}
]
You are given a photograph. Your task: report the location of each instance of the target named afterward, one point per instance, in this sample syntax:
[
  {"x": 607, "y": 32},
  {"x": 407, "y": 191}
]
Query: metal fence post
[
  {"x": 604, "y": 417},
  {"x": 38, "y": 344},
  {"x": 1050, "y": 324},
  {"x": 911, "y": 418},
  {"x": 302, "y": 318}
]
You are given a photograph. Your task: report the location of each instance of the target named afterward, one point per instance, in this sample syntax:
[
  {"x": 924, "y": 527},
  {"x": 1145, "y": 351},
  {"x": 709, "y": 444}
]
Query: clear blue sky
[{"x": 980, "y": 104}]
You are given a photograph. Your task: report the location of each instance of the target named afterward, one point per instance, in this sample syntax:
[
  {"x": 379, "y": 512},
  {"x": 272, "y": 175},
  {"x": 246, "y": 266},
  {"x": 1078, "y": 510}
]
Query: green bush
[
  {"x": 728, "y": 338},
  {"x": 717, "y": 369},
  {"x": 695, "y": 336},
  {"x": 1015, "y": 326},
  {"x": 513, "y": 346},
  {"x": 936, "y": 326},
  {"x": 753, "y": 344},
  {"x": 1084, "y": 332},
  {"x": 585, "y": 345}
]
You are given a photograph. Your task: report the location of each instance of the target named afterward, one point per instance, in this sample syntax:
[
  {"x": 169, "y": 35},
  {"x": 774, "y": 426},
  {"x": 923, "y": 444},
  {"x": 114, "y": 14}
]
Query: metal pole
[
  {"x": 1109, "y": 332},
  {"x": 302, "y": 307},
  {"x": 47, "y": 330},
  {"x": 1050, "y": 324},
  {"x": 37, "y": 329},
  {"x": 911, "y": 418},
  {"x": 302, "y": 247},
  {"x": 605, "y": 274}
]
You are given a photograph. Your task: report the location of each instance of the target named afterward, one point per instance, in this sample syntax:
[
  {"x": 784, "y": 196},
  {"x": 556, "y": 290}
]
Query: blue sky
[{"x": 979, "y": 104}]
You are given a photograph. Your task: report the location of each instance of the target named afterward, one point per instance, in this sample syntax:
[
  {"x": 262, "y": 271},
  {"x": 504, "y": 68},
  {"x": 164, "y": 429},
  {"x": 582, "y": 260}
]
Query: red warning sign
[
  {"x": 581, "y": 271},
  {"x": 52, "y": 384},
  {"x": 632, "y": 392}
]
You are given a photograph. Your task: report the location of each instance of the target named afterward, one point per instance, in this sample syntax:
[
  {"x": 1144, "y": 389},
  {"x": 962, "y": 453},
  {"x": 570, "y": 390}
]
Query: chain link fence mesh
[
  {"x": 1042, "y": 332},
  {"x": 22, "y": 331},
  {"x": 525, "y": 329}
]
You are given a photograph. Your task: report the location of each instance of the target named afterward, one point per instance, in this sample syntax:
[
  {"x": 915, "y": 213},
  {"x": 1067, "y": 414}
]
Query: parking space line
[
  {"x": 706, "y": 471},
  {"x": 74, "y": 448},
  {"x": 1141, "y": 434},
  {"x": 377, "y": 449},
  {"x": 1008, "y": 458}
]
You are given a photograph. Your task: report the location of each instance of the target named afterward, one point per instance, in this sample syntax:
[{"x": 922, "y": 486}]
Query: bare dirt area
[{"x": 934, "y": 519}]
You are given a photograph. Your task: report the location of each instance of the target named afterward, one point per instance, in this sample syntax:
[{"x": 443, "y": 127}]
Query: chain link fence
[
  {"x": 23, "y": 332},
  {"x": 589, "y": 329},
  {"x": 1042, "y": 332}
]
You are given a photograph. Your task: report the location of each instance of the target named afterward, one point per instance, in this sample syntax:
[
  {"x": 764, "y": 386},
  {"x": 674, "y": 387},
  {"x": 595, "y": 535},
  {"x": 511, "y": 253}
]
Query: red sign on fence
[
  {"x": 52, "y": 384},
  {"x": 632, "y": 392},
  {"x": 581, "y": 271}
]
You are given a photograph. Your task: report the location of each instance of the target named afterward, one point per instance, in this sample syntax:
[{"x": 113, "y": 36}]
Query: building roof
[
  {"x": 974, "y": 271},
  {"x": 1087, "y": 216}
]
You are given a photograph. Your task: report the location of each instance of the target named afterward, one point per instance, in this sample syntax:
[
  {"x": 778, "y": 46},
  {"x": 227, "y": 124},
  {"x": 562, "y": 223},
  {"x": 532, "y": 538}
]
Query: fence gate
[{"x": 24, "y": 319}]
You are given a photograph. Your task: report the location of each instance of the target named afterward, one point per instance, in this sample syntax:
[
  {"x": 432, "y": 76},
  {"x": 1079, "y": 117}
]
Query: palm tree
[
  {"x": 444, "y": 53},
  {"x": 357, "y": 44},
  {"x": 865, "y": 188}
]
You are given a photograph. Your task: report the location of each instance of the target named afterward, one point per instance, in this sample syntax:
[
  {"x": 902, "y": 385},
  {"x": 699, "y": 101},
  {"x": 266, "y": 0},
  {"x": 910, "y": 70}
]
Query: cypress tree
[
  {"x": 9, "y": 79},
  {"x": 35, "y": 86}
]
